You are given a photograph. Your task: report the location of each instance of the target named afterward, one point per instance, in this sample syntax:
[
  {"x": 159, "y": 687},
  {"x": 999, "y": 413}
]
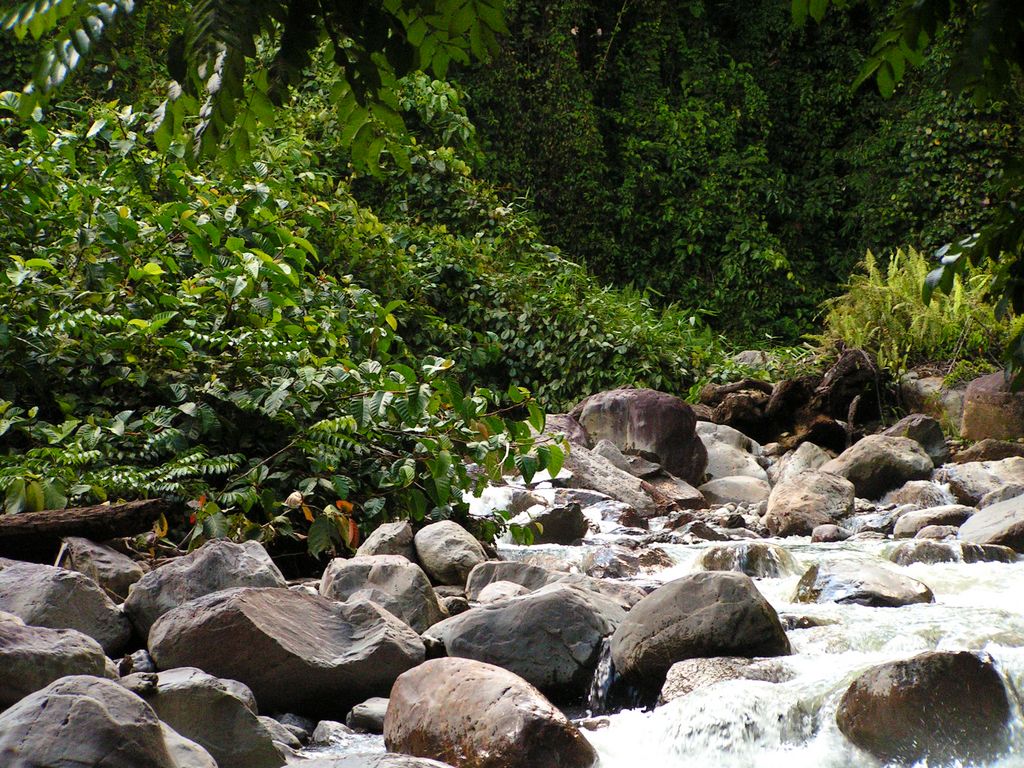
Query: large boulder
[
  {"x": 704, "y": 614},
  {"x": 927, "y": 551},
  {"x": 391, "y": 581},
  {"x": 648, "y": 423},
  {"x": 1001, "y": 524},
  {"x": 860, "y": 582},
  {"x": 218, "y": 564},
  {"x": 920, "y": 493},
  {"x": 730, "y": 452},
  {"x": 806, "y": 457},
  {"x": 113, "y": 571},
  {"x": 741, "y": 489},
  {"x": 754, "y": 558},
  {"x": 210, "y": 712},
  {"x": 533, "y": 577},
  {"x": 989, "y": 450},
  {"x": 879, "y": 463},
  {"x": 83, "y": 721},
  {"x": 971, "y": 481},
  {"x": 33, "y": 657},
  {"x": 802, "y": 502},
  {"x": 390, "y": 539},
  {"x": 992, "y": 409},
  {"x": 596, "y": 473},
  {"x": 297, "y": 652},
  {"x": 685, "y": 677},
  {"x": 937, "y": 706},
  {"x": 60, "y": 599},
  {"x": 551, "y": 638},
  {"x": 448, "y": 552},
  {"x": 475, "y": 715},
  {"x": 908, "y": 524},
  {"x": 926, "y": 431}
]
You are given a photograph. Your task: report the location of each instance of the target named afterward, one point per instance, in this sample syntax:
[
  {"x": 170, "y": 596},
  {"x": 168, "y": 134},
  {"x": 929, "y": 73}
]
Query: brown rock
[{"x": 992, "y": 410}]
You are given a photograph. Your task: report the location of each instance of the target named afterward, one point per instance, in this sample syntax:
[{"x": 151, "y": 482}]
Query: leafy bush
[{"x": 883, "y": 312}]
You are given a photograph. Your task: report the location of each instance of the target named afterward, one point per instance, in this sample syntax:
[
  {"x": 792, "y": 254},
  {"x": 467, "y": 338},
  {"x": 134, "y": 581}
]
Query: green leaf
[
  {"x": 537, "y": 418},
  {"x": 215, "y": 526},
  {"x": 321, "y": 536}
]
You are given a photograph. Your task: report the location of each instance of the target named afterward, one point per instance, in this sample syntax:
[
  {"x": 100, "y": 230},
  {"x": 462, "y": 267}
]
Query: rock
[
  {"x": 925, "y": 551},
  {"x": 703, "y": 614},
  {"x": 500, "y": 590},
  {"x": 756, "y": 559},
  {"x": 596, "y": 473},
  {"x": 647, "y": 423},
  {"x": 373, "y": 760},
  {"x": 298, "y": 653},
  {"x": 907, "y": 525},
  {"x": 448, "y": 552},
  {"x": 989, "y": 450},
  {"x": 302, "y": 727},
  {"x": 45, "y": 596},
  {"x": 33, "y": 657},
  {"x": 806, "y": 457},
  {"x": 676, "y": 491},
  {"x": 114, "y": 572},
  {"x": 281, "y": 733},
  {"x": 937, "y": 532},
  {"x": 802, "y": 502},
  {"x": 730, "y": 452},
  {"x": 920, "y": 493},
  {"x": 368, "y": 716},
  {"x": 83, "y": 721},
  {"x": 992, "y": 410},
  {"x": 475, "y": 715},
  {"x": 218, "y": 564},
  {"x": 829, "y": 533},
  {"x": 455, "y": 604},
  {"x": 611, "y": 562},
  {"x": 1006, "y": 492},
  {"x": 879, "y": 463},
  {"x": 752, "y": 358},
  {"x": 685, "y": 677},
  {"x": 926, "y": 431},
  {"x": 969, "y": 482},
  {"x": 938, "y": 706},
  {"x": 1001, "y": 524},
  {"x": 551, "y": 638},
  {"x": 861, "y": 582},
  {"x": 534, "y": 577},
  {"x": 565, "y": 424},
  {"x": 930, "y": 395},
  {"x": 560, "y": 525},
  {"x": 881, "y": 523},
  {"x": 184, "y": 752},
  {"x": 736, "y": 490},
  {"x": 214, "y": 714},
  {"x": 329, "y": 732},
  {"x": 390, "y": 539},
  {"x": 390, "y": 581},
  {"x": 635, "y": 465}
]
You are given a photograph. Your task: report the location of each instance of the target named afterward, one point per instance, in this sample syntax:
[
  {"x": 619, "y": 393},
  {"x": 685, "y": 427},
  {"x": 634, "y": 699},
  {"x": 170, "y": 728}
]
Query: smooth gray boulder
[
  {"x": 736, "y": 490},
  {"x": 33, "y": 657},
  {"x": 368, "y": 715},
  {"x": 704, "y": 614},
  {"x": 448, "y": 552},
  {"x": 216, "y": 565},
  {"x": 112, "y": 570},
  {"x": 925, "y": 551},
  {"x": 829, "y": 533},
  {"x": 551, "y": 638},
  {"x": 908, "y": 524},
  {"x": 390, "y": 581},
  {"x": 390, "y": 539},
  {"x": 920, "y": 493},
  {"x": 596, "y": 473},
  {"x": 806, "y": 457},
  {"x": 57, "y": 598},
  {"x": 799, "y": 503},
  {"x": 926, "y": 431},
  {"x": 297, "y": 652},
  {"x": 83, "y": 721},
  {"x": 971, "y": 481},
  {"x": 558, "y": 525},
  {"x": 500, "y": 590},
  {"x": 879, "y": 463},
  {"x": 211, "y": 712},
  {"x": 534, "y": 577},
  {"x": 476, "y": 715},
  {"x": 860, "y": 582},
  {"x": 730, "y": 452},
  {"x": 1001, "y": 524}
]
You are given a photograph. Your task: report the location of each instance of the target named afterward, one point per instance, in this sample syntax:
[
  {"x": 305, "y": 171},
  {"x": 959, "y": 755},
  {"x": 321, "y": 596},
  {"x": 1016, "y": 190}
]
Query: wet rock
[
  {"x": 138, "y": 661},
  {"x": 989, "y": 450},
  {"x": 685, "y": 677},
  {"x": 635, "y": 465},
  {"x": 730, "y": 452},
  {"x": 879, "y": 463},
  {"x": 296, "y": 652},
  {"x": 373, "y": 760},
  {"x": 214, "y": 714},
  {"x": 390, "y": 581},
  {"x": 882, "y": 522},
  {"x": 45, "y": 596},
  {"x": 611, "y": 562},
  {"x": 938, "y": 706},
  {"x": 390, "y": 539},
  {"x": 920, "y": 493},
  {"x": 216, "y": 565},
  {"x": 755, "y": 559},
  {"x": 551, "y": 638},
  {"x": 703, "y": 614},
  {"x": 926, "y": 431},
  {"x": 647, "y": 423},
  {"x": 805, "y": 458},
  {"x": 992, "y": 409},
  {"x": 676, "y": 491},
  {"x": 740, "y": 489},
  {"x": 1001, "y": 524},
  {"x": 368, "y": 716},
  {"x": 860, "y": 582},
  {"x": 829, "y": 533},
  {"x": 475, "y": 715},
  {"x": 282, "y": 734},
  {"x": 800, "y": 503},
  {"x": 83, "y": 721},
  {"x": 655, "y": 559},
  {"x": 560, "y": 525},
  {"x": 593, "y": 472},
  {"x": 113, "y": 571},
  {"x": 500, "y": 590},
  {"x": 33, "y": 657},
  {"x": 937, "y": 532},
  {"x": 925, "y": 551},
  {"x": 534, "y": 577},
  {"x": 448, "y": 552},
  {"x": 329, "y": 732},
  {"x": 1005, "y": 493},
  {"x": 969, "y": 482},
  {"x": 910, "y": 523}
]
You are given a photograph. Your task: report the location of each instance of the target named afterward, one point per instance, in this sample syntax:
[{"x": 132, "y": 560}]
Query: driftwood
[{"x": 37, "y": 535}]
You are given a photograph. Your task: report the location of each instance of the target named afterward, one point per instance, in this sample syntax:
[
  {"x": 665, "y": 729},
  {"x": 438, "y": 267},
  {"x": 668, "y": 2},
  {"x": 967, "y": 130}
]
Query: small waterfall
[{"x": 598, "y": 698}]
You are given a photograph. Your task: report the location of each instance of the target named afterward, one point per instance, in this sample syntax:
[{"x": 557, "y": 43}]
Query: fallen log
[{"x": 37, "y": 535}]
